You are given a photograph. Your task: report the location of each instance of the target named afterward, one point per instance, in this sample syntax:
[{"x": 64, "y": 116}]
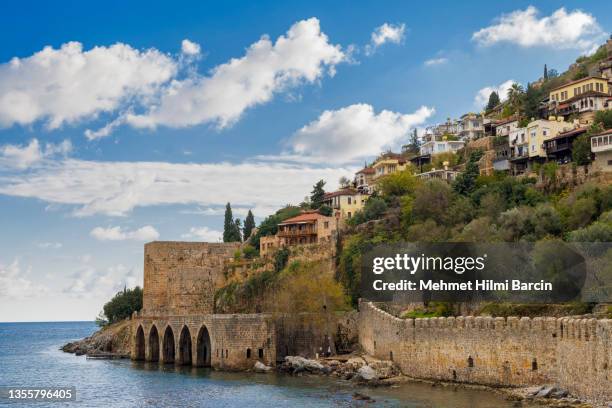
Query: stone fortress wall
[
  {"x": 576, "y": 354},
  {"x": 177, "y": 323}
]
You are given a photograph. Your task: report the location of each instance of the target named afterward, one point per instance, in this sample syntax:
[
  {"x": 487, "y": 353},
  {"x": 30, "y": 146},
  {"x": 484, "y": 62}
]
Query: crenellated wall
[{"x": 576, "y": 354}]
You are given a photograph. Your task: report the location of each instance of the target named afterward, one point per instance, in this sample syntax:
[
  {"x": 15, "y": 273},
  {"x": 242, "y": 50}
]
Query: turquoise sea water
[{"x": 30, "y": 357}]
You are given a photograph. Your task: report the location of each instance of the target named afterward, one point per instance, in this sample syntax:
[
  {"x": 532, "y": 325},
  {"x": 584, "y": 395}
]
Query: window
[
  {"x": 260, "y": 353},
  {"x": 349, "y": 214},
  {"x": 609, "y": 162},
  {"x": 326, "y": 224},
  {"x": 544, "y": 132},
  {"x": 248, "y": 353},
  {"x": 349, "y": 200},
  {"x": 533, "y": 148}
]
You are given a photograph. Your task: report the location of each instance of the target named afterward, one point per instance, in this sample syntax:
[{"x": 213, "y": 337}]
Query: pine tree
[
  {"x": 228, "y": 224},
  {"x": 493, "y": 101},
  {"x": 249, "y": 224},
  {"x": 316, "y": 196},
  {"x": 545, "y": 72}
]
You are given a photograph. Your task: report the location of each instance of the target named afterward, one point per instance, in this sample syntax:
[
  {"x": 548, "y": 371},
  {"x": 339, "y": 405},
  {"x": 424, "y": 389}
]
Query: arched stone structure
[
  {"x": 140, "y": 344},
  {"x": 203, "y": 348},
  {"x": 184, "y": 350},
  {"x": 168, "y": 349},
  {"x": 153, "y": 345}
]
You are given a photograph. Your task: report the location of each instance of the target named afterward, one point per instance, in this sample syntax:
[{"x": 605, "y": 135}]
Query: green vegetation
[
  {"x": 434, "y": 309},
  {"x": 493, "y": 101},
  {"x": 249, "y": 225},
  {"x": 317, "y": 194},
  {"x": 269, "y": 226},
  {"x": 231, "y": 227},
  {"x": 121, "y": 306}
]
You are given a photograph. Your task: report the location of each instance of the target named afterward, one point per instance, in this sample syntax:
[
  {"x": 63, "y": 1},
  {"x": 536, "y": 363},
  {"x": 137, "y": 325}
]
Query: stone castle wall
[
  {"x": 576, "y": 354},
  {"x": 180, "y": 278},
  {"x": 236, "y": 341}
]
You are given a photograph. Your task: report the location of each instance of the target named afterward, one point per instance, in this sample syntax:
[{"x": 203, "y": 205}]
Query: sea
[{"x": 30, "y": 357}]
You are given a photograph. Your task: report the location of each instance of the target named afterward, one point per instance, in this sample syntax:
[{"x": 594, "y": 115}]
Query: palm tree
[{"x": 515, "y": 96}]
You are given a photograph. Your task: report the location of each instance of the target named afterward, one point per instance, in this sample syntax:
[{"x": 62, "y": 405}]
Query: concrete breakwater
[{"x": 575, "y": 354}]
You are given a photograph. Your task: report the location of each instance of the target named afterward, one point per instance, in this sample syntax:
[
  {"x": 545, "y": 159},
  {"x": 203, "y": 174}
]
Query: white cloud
[
  {"x": 49, "y": 245},
  {"x": 353, "y": 132},
  {"x": 386, "y": 33},
  {"x": 146, "y": 233},
  {"x": 116, "y": 188},
  {"x": 436, "y": 61},
  {"x": 301, "y": 56},
  {"x": 68, "y": 84},
  {"x": 190, "y": 48},
  {"x": 92, "y": 282},
  {"x": 22, "y": 157},
  {"x": 576, "y": 29},
  {"x": 482, "y": 96},
  {"x": 204, "y": 234},
  {"x": 14, "y": 283}
]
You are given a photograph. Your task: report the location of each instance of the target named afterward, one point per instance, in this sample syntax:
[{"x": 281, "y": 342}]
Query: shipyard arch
[
  {"x": 203, "y": 349},
  {"x": 185, "y": 347},
  {"x": 168, "y": 350},
  {"x": 140, "y": 344},
  {"x": 153, "y": 344}
]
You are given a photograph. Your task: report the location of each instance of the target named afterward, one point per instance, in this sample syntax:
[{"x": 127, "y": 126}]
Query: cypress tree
[
  {"x": 228, "y": 224},
  {"x": 249, "y": 224}
]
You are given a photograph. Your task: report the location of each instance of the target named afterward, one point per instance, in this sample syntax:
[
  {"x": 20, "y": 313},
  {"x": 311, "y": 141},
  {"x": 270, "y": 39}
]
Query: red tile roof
[
  {"x": 605, "y": 132},
  {"x": 366, "y": 170},
  {"x": 305, "y": 217},
  {"x": 572, "y": 132}
]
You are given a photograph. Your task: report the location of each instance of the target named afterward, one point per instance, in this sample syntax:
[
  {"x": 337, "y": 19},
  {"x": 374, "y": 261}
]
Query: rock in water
[
  {"x": 367, "y": 373},
  {"x": 260, "y": 367}
]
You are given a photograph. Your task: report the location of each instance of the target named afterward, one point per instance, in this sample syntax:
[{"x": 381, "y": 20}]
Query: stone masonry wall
[
  {"x": 180, "y": 278},
  {"x": 236, "y": 341},
  {"x": 576, "y": 354}
]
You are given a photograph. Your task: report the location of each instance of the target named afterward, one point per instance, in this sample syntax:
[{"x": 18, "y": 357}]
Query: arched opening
[
  {"x": 534, "y": 365},
  {"x": 185, "y": 347},
  {"x": 248, "y": 353},
  {"x": 168, "y": 346},
  {"x": 153, "y": 344},
  {"x": 470, "y": 361},
  {"x": 204, "y": 350},
  {"x": 140, "y": 344}
]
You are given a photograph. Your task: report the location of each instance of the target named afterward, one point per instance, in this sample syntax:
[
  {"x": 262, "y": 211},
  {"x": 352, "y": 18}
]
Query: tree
[
  {"x": 581, "y": 150},
  {"x": 122, "y": 305},
  {"x": 465, "y": 183},
  {"x": 515, "y": 97},
  {"x": 326, "y": 210},
  {"x": 581, "y": 73},
  {"x": 231, "y": 227},
  {"x": 604, "y": 119},
  {"x": 249, "y": 224},
  {"x": 493, "y": 101},
  {"x": 545, "y": 72},
  {"x": 344, "y": 182},
  {"x": 414, "y": 145},
  {"x": 317, "y": 194},
  {"x": 531, "y": 102},
  {"x": 237, "y": 233},
  {"x": 228, "y": 223}
]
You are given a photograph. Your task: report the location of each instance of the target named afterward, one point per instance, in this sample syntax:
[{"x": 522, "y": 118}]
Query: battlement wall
[{"x": 576, "y": 354}]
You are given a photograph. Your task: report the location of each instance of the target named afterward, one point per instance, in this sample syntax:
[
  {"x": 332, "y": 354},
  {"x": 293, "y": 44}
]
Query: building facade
[
  {"x": 345, "y": 202},
  {"x": 601, "y": 146}
]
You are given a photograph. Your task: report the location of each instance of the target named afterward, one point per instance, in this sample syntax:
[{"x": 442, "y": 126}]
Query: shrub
[
  {"x": 432, "y": 200},
  {"x": 123, "y": 304},
  {"x": 398, "y": 184},
  {"x": 249, "y": 252}
]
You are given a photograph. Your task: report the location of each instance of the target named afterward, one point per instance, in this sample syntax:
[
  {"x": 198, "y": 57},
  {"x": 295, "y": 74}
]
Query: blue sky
[{"x": 205, "y": 103}]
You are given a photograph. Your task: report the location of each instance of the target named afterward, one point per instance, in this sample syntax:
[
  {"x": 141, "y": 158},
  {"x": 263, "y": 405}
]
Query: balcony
[
  {"x": 601, "y": 143},
  {"x": 297, "y": 232}
]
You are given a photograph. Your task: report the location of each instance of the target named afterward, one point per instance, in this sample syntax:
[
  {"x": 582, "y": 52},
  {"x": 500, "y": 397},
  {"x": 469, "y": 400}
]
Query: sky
[{"x": 128, "y": 122}]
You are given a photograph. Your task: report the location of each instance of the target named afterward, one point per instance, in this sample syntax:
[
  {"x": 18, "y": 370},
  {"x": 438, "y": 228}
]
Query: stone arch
[
  {"x": 185, "y": 347},
  {"x": 139, "y": 344},
  {"x": 203, "y": 349},
  {"x": 168, "y": 351},
  {"x": 153, "y": 344}
]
